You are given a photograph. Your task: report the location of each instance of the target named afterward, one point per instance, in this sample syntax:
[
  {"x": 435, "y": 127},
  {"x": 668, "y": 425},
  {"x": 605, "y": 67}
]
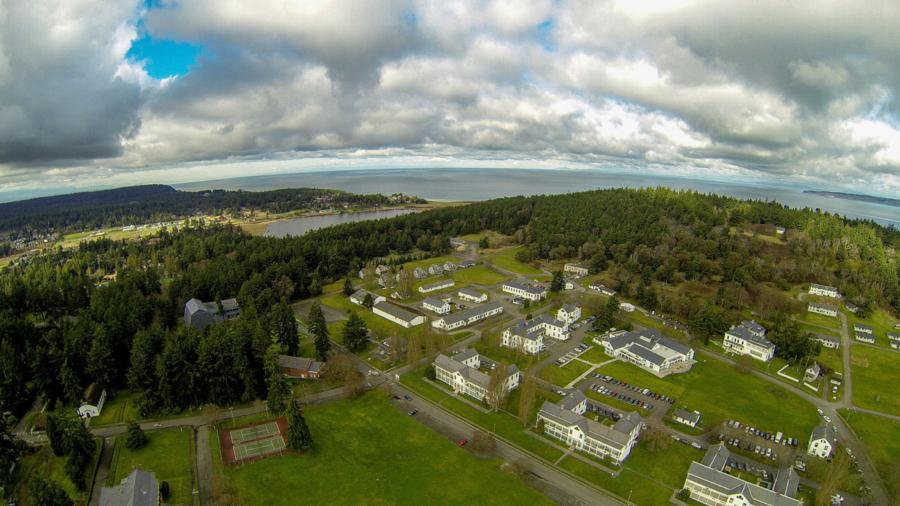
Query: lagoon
[{"x": 299, "y": 226}]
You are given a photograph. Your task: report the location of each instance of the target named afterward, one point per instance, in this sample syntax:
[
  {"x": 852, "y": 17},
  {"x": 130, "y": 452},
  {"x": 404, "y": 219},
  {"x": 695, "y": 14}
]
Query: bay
[{"x": 299, "y": 226}]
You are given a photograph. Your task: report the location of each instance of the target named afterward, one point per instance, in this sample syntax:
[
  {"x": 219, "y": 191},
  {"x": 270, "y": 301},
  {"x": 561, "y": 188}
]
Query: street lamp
[{"x": 231, "y": 408}]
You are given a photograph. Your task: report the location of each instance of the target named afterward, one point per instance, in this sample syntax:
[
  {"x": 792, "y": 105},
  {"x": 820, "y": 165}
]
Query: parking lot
[{"x": 645, "y": 402}]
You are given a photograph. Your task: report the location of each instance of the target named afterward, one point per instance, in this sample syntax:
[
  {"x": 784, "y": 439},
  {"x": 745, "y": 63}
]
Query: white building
[
  {"x": 575, "y": 401},
  {"x": 645, "y": 348},
  {"x": 92, "y": 405},
  {"x": 438, "y": 306},
  {"x": 524, "y": 291},
  {"x": 465, "y": 264},
  {"x": 462, "y": 374},
  {"x": 420, "y": 273},
  {"x": 544, "y": 325},
  {"x": 438, "y": 285},
  {"x": 709, "y": 484},
  {"x": 472, "y": 295},
  {"x": 360, "y": 295},
  {"x": 690, "y": 418},
  {"x": 749, "y": 338},
  {"x": 865, "y": 338},
  {"x": 894, "y": 339},
  {"x": 435, "y": 270},
  {"x": 569, "y": 313},
  {"x": 449, "y": 266},
  {"x": 603, "y": 289},
  {"x": 530, "y": 341},
  {"x": 467, "y": 317},
  {"x": 385, "y": 280},
  {"x": 823, "y": 309},
  {"x": 578, "y": 269},
  {"x": 863, "y": 329},
  {"x": 400, "y": 316},
  {"x": 590, "y": 436},
  {"x": 382, "y": 269},
  {"x": 812, "y": 373},
  {"x": 827, "y": 341},
  {"x": 824, "y": 291},
  {"x": 821, "y": 442}
]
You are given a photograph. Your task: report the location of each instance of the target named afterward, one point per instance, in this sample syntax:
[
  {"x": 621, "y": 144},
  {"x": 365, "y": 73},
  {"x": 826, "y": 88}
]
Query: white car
[
  {"x": 820, "y": 412},
  {"x": 827, "y": 419}
]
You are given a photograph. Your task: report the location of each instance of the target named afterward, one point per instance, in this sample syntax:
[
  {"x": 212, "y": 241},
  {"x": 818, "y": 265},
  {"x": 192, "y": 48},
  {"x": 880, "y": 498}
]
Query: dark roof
[
  {"x": 140, "y": 488},
  {"x": 829, "y": 307},
  {"x": 92, "y": 394},
  {"x": 433, "y": 302},
  {"x": 300, "y": 363},
  {"x": 818, "y": 336},
  {"x": 687, "y": 415},
  {"x": 741, "y": 332},
  {"x": 520, "y": 286},
  {"x": 396, "y": 311},
  {"x": 865, "y": 327},
  {"x": 468, "y": 313}
]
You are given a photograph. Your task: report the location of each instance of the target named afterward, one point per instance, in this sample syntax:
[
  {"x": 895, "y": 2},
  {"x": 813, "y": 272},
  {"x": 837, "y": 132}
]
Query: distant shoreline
[{"x": 857, "y": 197}]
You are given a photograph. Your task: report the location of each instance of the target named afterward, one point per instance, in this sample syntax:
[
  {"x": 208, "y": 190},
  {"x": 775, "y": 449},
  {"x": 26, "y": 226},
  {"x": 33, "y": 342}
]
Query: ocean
[{"x": 457, "y": 184}]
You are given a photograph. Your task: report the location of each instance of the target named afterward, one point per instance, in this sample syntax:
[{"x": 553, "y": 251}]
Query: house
[
  {"x": 590, "y": 436},
  {"x": 437, "y": 285},
  {"x": 465, "y": 264},
  {"x": 298, "y": 367},
  {"x": 577, "y": 269},
  {"x": 385, "y": 280},
  {"x": 468, "y": 317},
  {"x": 545, "y": 324},
  {"x": 821, "y": 442},
  {"x": 359, "y": 297},
  {"x": 646, "y": 348},
  {"x": 462, "y": 374},
  {"x": 708, "y": 483},
  {"x": 812, "y": 373},
  {"x": 472, "y": 295},
  {"x": 436, "y": 305},
  {"x": 824, "y": 291},
  {"x": 576, "y": 402},
  {"x": 386, "y": 348},
  {"x": 690, "y": 418},
  {"x": 140, "y": 488},
  {"x": 853, "y": 308},
  {"x": 92, "y": 405},
  {"x": 200, "y": 314},
  {"x": 458, "y": 244},
  {"x": 748, "y": 338},
  {"x": 779, "y": 230},
  {"x": 524, "y": 291},
  {"x": 863, "y": 329},
  {"x": 894, "y": 339},
  {"x": 603, "y": 289},
  {"x": 435, "y": 270},
  {"x": 823, "y": 309},
  {"x": 570, "y": 285},
  {"x": 420, "y": 273},
  {"x": 449, "y": 266},
  {"x": 382, "y": 269},
  {"x": 569, "y": 313},
  {"x": 362, "y": 274},
  {"x": 827, "y": 341},
  {"x": 399, "y": 315},
  {"x": 865, "y": 338},
  {"x": 530, "y": 341}
]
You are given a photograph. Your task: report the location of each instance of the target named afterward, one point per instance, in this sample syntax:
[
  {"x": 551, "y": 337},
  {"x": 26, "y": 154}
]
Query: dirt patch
[{"x": 862, "y": 362}]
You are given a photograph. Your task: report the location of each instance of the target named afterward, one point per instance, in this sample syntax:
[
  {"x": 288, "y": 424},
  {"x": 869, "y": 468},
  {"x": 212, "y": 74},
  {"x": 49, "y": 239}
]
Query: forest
[{"x": 62, "y": 328}]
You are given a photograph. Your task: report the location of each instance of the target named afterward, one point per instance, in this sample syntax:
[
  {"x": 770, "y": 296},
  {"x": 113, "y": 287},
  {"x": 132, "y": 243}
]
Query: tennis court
[
  {"x": 260, "y": 447},
  {"x": 238, "y": 436}
]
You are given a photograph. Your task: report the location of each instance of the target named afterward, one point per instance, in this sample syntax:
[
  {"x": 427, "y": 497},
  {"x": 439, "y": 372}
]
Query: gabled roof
[
  {"x": 438, "y": 284},
  {"x": 140, "y": 488},
  {"x": 465, "y": 354},
  {"x": 434, "y": 302},
  {"x": 396, "y": 311},
  {"x": 572, "y": 400},
  {"x": 570, "y": 307},
  {"x": 730, "y": 485},
  {"x": 687, "y": 415},
  {"x": 610, "y": 436},
  {"x": 819, "y": 305},
  {"x": 468, "y": 313},
  {"x": 822, "y": 432},
  {"x": 863, "y": 327},
  {"x": 818, "y": 336},
  {"x": 753, "y": 326},
  {"x": 520, "y": 286},
  {"x": 786, "y": 482},
  {"x": 742, "y": 332},
  {"x": 300, "y": 363},
  {"x": 823, "y": 287},
  {"x": 470, "y": 293},
  {"x": 717, "y": 457}
]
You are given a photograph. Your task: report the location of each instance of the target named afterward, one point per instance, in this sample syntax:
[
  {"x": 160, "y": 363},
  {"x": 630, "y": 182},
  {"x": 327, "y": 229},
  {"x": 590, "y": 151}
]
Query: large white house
[
  {"x": 588, "y": 435},
  {"x": 569, "y": 313},
  {"x": 435, "y": 270},
  {"x": 437, "y": 285},
  {"x": 822, "y": 309},
  {"x": 749, "y": 338},
  {"x": 581, "y": 270},
  {"x": 437, "y": 305},
  {"x": 527, "y": 334},
  {"x": 524, "y": 291},
  {"x": 400, "y": 316},
  {"x": 821, "y": 442},
  {"x": 461, "y": 373},
  {"x": 472, "y": 295},
  {"x": 827, "y": 341},
  {"x": 645, "y": 348},
  {"x": 92, "y": 404},
  {"x": 359, "y": 297},
  {"x": 467, "y": 317},
  {"x": 824, "y": 291},
  {"x": 709, "y": 484},
  {"x": 544, "y": 324}
]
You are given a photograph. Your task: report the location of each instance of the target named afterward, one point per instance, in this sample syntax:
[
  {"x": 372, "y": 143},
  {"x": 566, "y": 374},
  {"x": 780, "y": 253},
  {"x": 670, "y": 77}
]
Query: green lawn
[
  {"x": 43, "y": 463},
  {"x": 358, "y": 458},
  {"x": 821, "y": 320},
  {"x": 117, "y": 409},
  {"x": 640, "y": 489},
  {"x": 479, "y": 276},
  {"x": 669, "y": 466},
  {"x": 869, "y": 382},
  {"x": 498, "y": 353},
  {"x": 616, "y": 403},
  {"x": 168, "y": 454},
  {"x": 562, "y": 376},
  {"x": 339, "y": 301},
  {"x": 881, "y": 322},
  {"x": 805, "y": 327},
  {"x": 595, "y": 355},
  {"x": 511, "y": 264},
  {"x": 880, "y": 435},
  {"x": 413, "y": 380}
]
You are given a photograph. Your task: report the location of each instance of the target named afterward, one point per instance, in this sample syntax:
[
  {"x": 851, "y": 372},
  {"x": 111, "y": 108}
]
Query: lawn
[
  {"x": 627, "y": 484},
  {"x": 562, "y": 376},
  {"x": 339, "y": 301},
  {"x": 511, "y": 264},
  {"x": 168, "y": 454},
  {"x": 669, "y": 466},
  {"x": 358, "y": 458},
  {"x": 595, "y": 355},
  {"x": 880, "y": 435},
  {"x": 820, "y": 320},
  {"x": 117, "y": 409},
  {"x": 869, "y": 381},
  {"x": 881, "y": 322},
  {"x": 498, "y": 353},
  {"x": 414, "y": 381},
  {"x": 479, "y": 276},
  {"x": 43, "y": 463}
]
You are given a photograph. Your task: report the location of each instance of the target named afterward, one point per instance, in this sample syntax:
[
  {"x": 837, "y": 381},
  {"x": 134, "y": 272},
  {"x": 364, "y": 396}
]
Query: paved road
[
  {"x": 205, "y": 471},
  {"x": 106, "y": 456}
]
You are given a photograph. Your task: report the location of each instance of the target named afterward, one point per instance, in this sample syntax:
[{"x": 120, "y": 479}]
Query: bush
[
  {"x": 483, "y": 442},
  {"x": 683, "y": 495},
  {"x": 164, "y": 490}
]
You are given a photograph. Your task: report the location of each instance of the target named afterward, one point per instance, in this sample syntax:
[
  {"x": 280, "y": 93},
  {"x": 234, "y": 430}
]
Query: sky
[{"x": 102, "y": 93}]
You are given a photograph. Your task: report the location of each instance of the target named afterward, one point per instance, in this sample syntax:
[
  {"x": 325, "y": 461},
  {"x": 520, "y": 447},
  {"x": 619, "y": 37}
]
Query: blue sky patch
[{"x": 164, "y": 58}]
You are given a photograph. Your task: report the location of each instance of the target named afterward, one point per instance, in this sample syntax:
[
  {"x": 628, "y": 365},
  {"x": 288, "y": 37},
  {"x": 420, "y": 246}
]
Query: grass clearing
[
  {"x": 44, "y": 464},
  {"x": 357, "y": 451},
  {"x": 117, "y": 410},
  {"x": 511, "y": 264},
  {"x": 869, "y": 381},
  {"x": 595, "y": 355},
  {"x": 669, "y": 466},
  {"x": 168, "y": 454},
  {"x": 627, "y": 484},
  {"x": 620, "y": 405},
  {"x": 821, "y": 320},
  {"x": 479, "y": 276},
  {"x": 881, "y": 323},
  {"x": 880, "y": 435},
  {"x": 562, "y": 376},
  {"x": 339, "y": 301}
]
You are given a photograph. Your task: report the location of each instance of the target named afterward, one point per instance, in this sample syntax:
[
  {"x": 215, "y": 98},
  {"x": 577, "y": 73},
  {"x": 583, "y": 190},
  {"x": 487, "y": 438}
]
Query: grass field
[
  {"x": 117, "y": 409},
  {"x": 168, "y": 454},
  {"x": 43, "y": 463},
  {"x": 511, "y": 264},
  {"x": 669, "y": 466},
  {"x": 616, "y": 403},
  {"x": 339, "y": 301},
  {"x": 881, "y": 322},
  {"x": 358, "y": 458},
  {"x": 640, "y": 489},
  {"x": 880, "y": 435},
  {"x": 498, "y": 353},
  {"x": 562, "y": 376},
  {"x": 479, "y": 276},
  {"x": 821, "y": 320},
  {"x": 869, "y": 381},
  {"x": 595, "y": 355}
]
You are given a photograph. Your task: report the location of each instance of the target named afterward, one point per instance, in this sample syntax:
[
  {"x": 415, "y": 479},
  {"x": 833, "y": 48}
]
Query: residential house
[
  {"x": 821, "y": 442},
  {"x": 690, "y": 418},
  {"x": 569, "y": 313},
  {"x": 812, "y": 373},
  {"x": 437, "y": 285},
  {"x": 139, "y": 488},
  {"x": 603, "y": 289},
  {"x": 575, "y": 401},
  {"x": 863, "y": 329},
  {"x": 92, "y": 404},
  {"x": 865, "y": 338},
  {"x": 779, "y": 230},
  {"x": 385, "y": 280},
  {"x": 590, "y": 436},
  {"x": 827, "y": 341},
  {"x": 531, "y": 341},
  {"x": 462, "y": 374},
  {"x": 420, "y": 273},
  {"x": 577, "y": 269},
  {"x": 822, "y": 309},
  {"x": 298, "y": 367},
  {"x": 436, "y": 305},
  {"x": 382, "y": 269},
  {"x": 708, "y": 484},
  {"x": 200, "y": 314},
  {"x": 894, "y": 339},
  {"x": 853, "y": 308},
  {"x": 465, "y": 264},
  {"x": 472, "y": 295},
  {"x": 359, "y": 297},
  {"x": 524, "y": 291},
  {"x": 399, "y": 315},
  {"x": 467, "y": 317},
  {"x": 824, "y": 291},
  {"x": 450, "y": 266},
  {"x": 435, "y": 270},
  {"x": 570, "y": 285},
  {"x": 386, "y": 348},
  {"x": 458, "y": 244},
  {"x": 749, "y": 338},
  {"x": 646, "y": 348}
]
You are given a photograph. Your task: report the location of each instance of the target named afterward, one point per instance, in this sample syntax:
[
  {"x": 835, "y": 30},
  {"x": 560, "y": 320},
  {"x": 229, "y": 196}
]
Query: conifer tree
[
  {"x": 319, "y": 330},
  {"x": 299, "y": 437},
  {"x": 134, "y": 436}
]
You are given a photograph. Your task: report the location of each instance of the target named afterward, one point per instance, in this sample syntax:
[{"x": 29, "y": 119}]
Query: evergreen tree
[
  {"x": 46, "y": 493},
  {"x": 278, "y": 387},
  {"x": 58, "y": 434},
  {"x": 348, "y": 287},
  {"x": 10, "y": 449},
  {"x": 134, "y": 435},
  {"x": 558, "y": 283},
  {"x": 354, "y": 332},
  {"x": 102, "y": 362},
  {"x": 484, "y": 243},
  {"x": 298, "y": 433},
  {"x": 598, "y": 264},
  {"x": 319, "y": 330},
  {"x": 865, "y": 310},
  {"x": 368, "y": 302},
  {"x": 83, "y": 446},
  {"x": 285, "y": 329}
]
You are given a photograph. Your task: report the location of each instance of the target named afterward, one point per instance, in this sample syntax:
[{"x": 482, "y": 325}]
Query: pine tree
[
  {"x": 348, "y": 287},
  {"x": 57, "y": 433},
  {"x": 46, "y": 493},
  {"x": 354, "y": 332},
  {"x": 298, "y": 433},
  {"x": 278, "y": 387},
  {"x": 285, "y": 329},
  {"x": 134, "y": 436},
  {"x": 319, "y": 330},
  {"x": 558, "y": 283},
  {"x": 83, "y": 446}
]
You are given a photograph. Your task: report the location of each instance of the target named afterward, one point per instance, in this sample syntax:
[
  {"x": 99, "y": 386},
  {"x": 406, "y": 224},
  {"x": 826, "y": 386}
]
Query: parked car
[
  {"x": 411, "y": 413},
  {"x": 464, "y": 441},
  {"x": 407, "y": 397}
]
